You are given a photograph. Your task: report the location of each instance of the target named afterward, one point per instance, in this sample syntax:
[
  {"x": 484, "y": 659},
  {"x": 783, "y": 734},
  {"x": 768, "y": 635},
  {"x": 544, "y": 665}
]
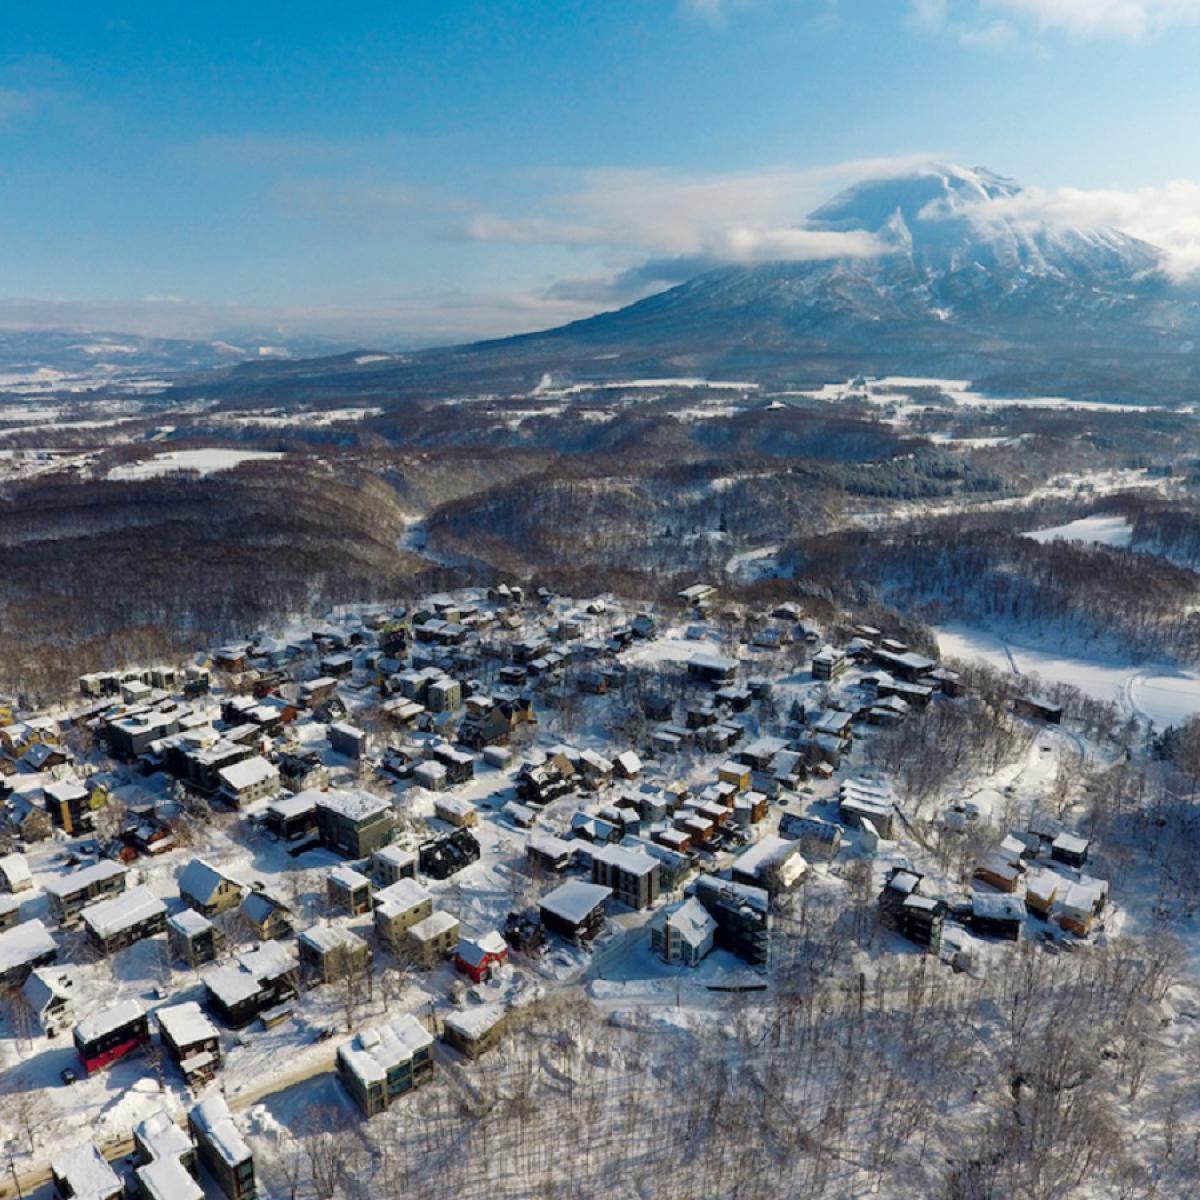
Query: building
[
  {"x": 348, "y": 891},
  {"x": 773, "y": 863},
  {"x": 246, "y": 782},
  {"x": 50, "y": 995},
  {"x": 193, "y": 938},
  {"x": 455, "y": 810},
  {"x": 391, "y": 864},
  {"x": 69, "y": 804},
  {"x": 398, "y": 908},
  {"x": 575, "y": 910},
  {"x": 632, "y": 876},
  {"x": 828, "y": 663},
  {"x": 997, "y": 915},
  {"x": 474, "y": 1031},
  {"x": 347, "y": 740},
  {"x": 102, "y": 1038},
  {"x": 23, "y": 948},
  {"x": 15, "y": 874},
  {"x": 83, "y": 1174},
  {"x": 1070, "y": 850},
  {"x": 382, "y": 1064},
  {"x": 441, "y": 857},
  {"x": 549, "y": 852},
  {"x": 353, "y": 823},
  {"x": 222, "y": 1149},
  {"x": 165, "y": 1160},
  {"x": 330, "y": 952},
  {"x": 259, "y": 980},
  {"x": 684, "y": 935},
  {"x": 70, "y": 894},
  {"x": 742, "y": 914},
  {"x": 479, "y": 956},
  {"x": 433, "y": 939},
  {"x": 191, "y": 1040},
  {"x": 713, "y": 669},
  {"x": 120, "y": 921},
  {"x": 265, "y": 915},
  {"x": 294, "y": 818},
  {"x": 208, "y": 890}
]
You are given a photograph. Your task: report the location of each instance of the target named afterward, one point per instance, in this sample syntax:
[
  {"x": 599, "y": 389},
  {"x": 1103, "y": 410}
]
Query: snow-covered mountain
[{"x": 968, "y": 281}]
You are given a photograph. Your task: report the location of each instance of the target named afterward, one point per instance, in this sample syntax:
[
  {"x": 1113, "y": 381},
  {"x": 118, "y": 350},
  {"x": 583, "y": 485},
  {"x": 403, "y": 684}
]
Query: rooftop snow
[
  {"x": 375, "y": 1052},
  {"x": 575, "y": 900},
  {"x": 107, "y": 917}
]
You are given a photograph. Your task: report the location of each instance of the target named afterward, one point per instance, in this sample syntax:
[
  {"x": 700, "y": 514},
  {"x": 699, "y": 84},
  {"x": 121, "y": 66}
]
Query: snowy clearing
[
  {"x": 203, "y": 462},
  {"x": 1098, "y": 531},
  {"x": 1160, "y": 692}
]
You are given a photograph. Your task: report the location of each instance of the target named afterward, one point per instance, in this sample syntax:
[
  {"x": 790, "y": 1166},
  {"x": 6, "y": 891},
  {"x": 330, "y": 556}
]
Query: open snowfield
[
  {"x": 1164, "y": 694},
  {"x": 203, "y": 462},
  {"x": 898, "y": 391},
  {"x": 1098, "y": 531}
]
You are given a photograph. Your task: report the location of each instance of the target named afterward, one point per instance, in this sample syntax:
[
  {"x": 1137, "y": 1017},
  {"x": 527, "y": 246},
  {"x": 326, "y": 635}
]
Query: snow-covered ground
[
  {"x": 203, "y": 462},
  {"x": 1097, "y": 530},
  {"x": 903, "y": 392},
  {"x": 1160, "y": 693}
]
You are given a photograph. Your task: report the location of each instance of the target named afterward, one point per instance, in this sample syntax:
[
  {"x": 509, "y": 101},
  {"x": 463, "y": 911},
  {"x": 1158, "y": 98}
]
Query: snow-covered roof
[
  {"x": 355, "y": 803},
  {"x": 433, "y": 926},
  {"x": 97, "y": 1024},
  {"x": 375, "y": 1052},
  {"x": 248, "y": 773},
  {"x": 326, "y": 939},
  {"x": 200, "y": 880},
  {"x": 401, "y": 897},
  {"x": 632, "y": 862},
  {"x": 998, "y": 906},
  {"x": 185, "y": 1023},
  {"x": 575, "y": 900},
  {"x": 395, "y": 856},
  {"x": 476, "y": 948},
  {"x": 629, "y": 762},
  {"x": 692, "y": 922},
  {"x": 44, "y": 985},
  {"x": 474, "y": 1023},
  {"x": 215, "y": 1123},
  {"x": 15, "y": 870},
  {"x": 86, "y": 877},
  {"x": 188, "y": 921},
  {"x": 295, "y": 806},
  {"x": 772, "y": 852},
  {"x": 23, "y": 944},
  {"x": 86, "y": 1175},
  {"x": 348, "y": 877},
  {"x": 107, "y": 917},
  {"x": 1070, "y": 843}
]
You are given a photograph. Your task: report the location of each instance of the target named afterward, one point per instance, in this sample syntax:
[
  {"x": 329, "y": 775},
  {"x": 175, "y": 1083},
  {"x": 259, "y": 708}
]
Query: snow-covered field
[
  {"x": 898, "y": 391},
  {"x": 1098, "y": 530},
  {"x": 1160, "y": 693},
  {"x": 203, "y": 462}
]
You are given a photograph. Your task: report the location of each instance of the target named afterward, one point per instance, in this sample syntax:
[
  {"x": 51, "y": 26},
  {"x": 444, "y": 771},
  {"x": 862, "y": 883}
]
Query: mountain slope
[{"x": 968, "y": 281}]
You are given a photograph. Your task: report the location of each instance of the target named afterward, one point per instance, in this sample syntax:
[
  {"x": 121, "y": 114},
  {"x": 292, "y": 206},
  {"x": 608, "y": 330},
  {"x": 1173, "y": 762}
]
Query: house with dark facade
[{"x": 353, "y": 823}]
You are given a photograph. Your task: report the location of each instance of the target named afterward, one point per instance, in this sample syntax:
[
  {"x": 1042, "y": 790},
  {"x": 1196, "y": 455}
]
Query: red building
[
  {"x": 106, "y": 1036},
  {"x": 478, "y": 957}
]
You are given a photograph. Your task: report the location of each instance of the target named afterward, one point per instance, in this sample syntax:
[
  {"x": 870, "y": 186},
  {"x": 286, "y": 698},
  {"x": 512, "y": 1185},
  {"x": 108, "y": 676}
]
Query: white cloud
[
  {"x": 1166, "y": 216},
  {"x": 711, "y": 12},
  {"x": 733, "y": 217},
  {"x": 991, "y": 22},
  {"x": 1122, "y": 18}
]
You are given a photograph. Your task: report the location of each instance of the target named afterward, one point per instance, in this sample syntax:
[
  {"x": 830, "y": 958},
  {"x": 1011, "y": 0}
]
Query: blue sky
[{"x": 403, "y": 172}]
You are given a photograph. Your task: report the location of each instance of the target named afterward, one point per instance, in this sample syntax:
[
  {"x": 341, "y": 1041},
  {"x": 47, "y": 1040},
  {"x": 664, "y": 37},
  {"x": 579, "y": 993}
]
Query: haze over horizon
[{"x": 451, "y": 172}]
